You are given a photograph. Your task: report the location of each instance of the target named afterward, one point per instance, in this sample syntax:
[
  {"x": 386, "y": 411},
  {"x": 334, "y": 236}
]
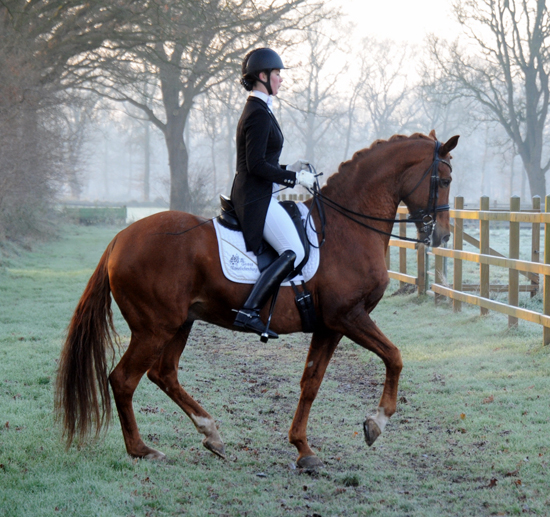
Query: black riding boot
[{"x": 268, "y": 283}]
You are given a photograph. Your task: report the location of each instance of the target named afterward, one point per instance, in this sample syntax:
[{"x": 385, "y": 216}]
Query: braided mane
[{"x": 363, "y": 153}]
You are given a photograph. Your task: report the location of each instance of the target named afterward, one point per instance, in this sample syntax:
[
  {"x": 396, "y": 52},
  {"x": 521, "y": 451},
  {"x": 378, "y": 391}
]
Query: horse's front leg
[
  {"x": 359, "y": 327},
  {"x": 323, "y": 344}
]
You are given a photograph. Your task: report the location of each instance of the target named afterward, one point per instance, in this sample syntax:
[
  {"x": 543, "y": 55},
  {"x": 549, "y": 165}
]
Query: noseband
[{"x": 427, "y": 216}]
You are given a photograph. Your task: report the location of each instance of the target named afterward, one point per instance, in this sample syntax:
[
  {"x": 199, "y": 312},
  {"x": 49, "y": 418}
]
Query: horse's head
[{"x": 426, "y": 193}]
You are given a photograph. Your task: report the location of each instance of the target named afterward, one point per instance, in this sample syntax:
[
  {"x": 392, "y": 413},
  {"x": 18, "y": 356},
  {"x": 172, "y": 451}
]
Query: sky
[{"x": 402, "y": 20}]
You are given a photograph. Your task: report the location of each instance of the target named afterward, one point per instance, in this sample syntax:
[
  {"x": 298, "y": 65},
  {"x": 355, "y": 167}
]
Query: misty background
[{"x": 137, "y": 102}]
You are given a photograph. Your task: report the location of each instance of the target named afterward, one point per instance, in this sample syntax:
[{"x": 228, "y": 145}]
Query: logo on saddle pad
[{"x": 237, "y": 263}]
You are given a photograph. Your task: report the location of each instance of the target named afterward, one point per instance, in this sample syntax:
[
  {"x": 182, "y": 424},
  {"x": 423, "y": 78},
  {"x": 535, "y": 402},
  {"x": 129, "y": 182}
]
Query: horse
[{"x": 164, "y": 273}]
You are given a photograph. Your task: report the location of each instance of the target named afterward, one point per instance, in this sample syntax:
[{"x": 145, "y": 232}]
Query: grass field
[{"x": 470, "y": 437}]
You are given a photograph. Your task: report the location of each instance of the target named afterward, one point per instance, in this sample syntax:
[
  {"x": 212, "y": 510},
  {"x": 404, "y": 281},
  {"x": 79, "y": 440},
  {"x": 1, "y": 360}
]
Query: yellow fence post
[
  {"x": 484, "y": 248},
  {"x": 421, "y": 261},
  {"x": 439, "y": 275},
  {"x": 546, "y": 285},
  {"x": 458, "y": 245},
  {"x": 513, "y": 274},
  {"x": 535, "y": 248},
  {"x": 402, "y": 251}
]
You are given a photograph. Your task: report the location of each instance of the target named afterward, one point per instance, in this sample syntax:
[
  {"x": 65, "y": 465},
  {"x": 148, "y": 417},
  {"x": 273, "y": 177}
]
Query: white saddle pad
[{"x": 241, "y": 266}]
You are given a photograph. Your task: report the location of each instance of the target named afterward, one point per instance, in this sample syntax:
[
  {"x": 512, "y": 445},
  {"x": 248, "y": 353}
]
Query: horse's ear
[
  {"x": 449, "y": 145},
  {"x": 432, "y": 135}
]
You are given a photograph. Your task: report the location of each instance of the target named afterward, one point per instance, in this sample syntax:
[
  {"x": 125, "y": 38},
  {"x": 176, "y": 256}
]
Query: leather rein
[{"x": 427, "y": 216}]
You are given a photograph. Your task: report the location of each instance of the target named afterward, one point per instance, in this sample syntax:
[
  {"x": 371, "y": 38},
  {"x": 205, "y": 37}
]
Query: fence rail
[{"x": 486, "y": 258}]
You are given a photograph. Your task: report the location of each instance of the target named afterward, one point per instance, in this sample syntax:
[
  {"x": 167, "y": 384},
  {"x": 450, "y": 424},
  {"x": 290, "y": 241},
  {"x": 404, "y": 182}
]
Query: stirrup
[{"x": 250, "y": 319}]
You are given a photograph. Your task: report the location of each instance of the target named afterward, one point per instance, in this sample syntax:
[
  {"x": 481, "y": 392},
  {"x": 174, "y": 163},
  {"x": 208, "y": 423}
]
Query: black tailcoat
[{"x": 259, "y": 145}]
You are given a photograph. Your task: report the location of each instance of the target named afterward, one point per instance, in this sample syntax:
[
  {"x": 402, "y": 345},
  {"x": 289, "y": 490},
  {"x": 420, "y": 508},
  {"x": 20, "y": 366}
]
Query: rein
[{"x": 425, "y": 216}]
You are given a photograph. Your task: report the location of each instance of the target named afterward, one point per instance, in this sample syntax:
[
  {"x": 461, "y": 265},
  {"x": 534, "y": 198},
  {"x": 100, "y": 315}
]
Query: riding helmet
[{"x": 259, "y": 60}]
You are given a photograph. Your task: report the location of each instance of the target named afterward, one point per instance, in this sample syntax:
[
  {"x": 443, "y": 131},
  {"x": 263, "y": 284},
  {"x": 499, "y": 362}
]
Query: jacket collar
[{"x": 268, "y": 99}]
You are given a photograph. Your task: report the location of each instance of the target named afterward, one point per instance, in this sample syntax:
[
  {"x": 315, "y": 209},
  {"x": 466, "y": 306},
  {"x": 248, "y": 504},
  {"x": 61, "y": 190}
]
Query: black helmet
[{"x": 260, "y": 60}]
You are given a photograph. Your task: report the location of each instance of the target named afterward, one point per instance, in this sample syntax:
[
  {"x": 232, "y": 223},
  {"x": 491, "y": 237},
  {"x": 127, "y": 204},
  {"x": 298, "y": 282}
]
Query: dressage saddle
[{"x": 267, "y": 254}]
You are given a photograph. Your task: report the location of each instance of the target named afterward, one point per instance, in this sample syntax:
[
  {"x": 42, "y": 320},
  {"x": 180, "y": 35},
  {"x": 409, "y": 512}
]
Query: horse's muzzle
[{"x": 440, "y": 237}]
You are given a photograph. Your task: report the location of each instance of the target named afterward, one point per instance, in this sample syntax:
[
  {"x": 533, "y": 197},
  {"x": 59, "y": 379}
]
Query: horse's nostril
[{"x": 445, "y": 239}]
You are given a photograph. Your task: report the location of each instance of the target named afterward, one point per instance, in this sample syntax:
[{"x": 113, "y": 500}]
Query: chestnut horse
[{"x": 164, "y": 277}]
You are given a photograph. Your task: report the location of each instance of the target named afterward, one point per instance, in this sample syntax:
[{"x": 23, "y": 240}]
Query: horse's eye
[{"x": 444, "y": 183}]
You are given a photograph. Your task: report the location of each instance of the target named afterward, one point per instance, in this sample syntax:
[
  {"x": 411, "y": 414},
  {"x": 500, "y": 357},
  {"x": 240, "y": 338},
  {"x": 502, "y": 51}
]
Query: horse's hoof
[
  {"x": 155, "y": 456},
  {"x": 310, "y": 462},
  {"x": 217, "y": 448},
  {"x": 371, "y": 430}
]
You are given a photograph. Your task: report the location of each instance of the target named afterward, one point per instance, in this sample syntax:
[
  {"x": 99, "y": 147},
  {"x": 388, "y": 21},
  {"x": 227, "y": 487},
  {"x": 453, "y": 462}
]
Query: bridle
[{"x": 426, "y": 217}]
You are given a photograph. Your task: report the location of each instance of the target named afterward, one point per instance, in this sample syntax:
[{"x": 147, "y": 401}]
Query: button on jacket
[{"x": 259, "y": 145}]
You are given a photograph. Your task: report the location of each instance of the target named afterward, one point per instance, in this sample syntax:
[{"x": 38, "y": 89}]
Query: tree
[
  {"x": 313, "y": 108},
  {"x": 504, "y": 71},
  {"x": 37, "y": 41},
  {"x": 384, "y": 87},
  {"x": 189, "y": 47}
]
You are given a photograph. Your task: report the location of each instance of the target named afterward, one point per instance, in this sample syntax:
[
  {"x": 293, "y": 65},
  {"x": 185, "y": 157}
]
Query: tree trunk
[
  {"x": 530, "y": 152},
  {"x": 537, "y": 180},
  {"x": 178, "y": 160},
  {"x": 176, "y": 118},
  {"x": 147, "y": 163},
  {"x": 106, "y": 166}
]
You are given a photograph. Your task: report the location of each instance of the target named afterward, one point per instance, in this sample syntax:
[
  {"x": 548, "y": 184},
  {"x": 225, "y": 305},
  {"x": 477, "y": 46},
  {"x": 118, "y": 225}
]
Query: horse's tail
[{"x": 82, "y": 398}]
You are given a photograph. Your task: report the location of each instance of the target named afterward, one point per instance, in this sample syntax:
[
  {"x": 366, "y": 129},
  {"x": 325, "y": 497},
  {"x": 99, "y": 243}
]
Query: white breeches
[{"x": 280, "y": 232}]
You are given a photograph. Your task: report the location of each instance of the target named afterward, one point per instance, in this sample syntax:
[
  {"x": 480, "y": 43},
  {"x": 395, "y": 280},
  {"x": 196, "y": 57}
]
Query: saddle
[
  {"x": 267, "y": 254},
  {"x": 303, "y": 299}
]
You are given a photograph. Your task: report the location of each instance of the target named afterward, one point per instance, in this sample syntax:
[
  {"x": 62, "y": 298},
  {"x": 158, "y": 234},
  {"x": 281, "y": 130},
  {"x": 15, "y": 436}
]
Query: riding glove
[
  {"x": 305, "y": 178},
  {"x": 298, "y": 166}
]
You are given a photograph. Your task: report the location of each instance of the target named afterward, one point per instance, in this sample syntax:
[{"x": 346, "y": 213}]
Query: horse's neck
[
  {"x": 376, "y": 196},
  {"x": 371, "y": 189}
]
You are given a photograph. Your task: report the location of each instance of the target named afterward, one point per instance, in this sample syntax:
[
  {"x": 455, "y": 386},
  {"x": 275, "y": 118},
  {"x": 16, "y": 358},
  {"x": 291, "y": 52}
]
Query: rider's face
[{"x": 275, "y": 81}]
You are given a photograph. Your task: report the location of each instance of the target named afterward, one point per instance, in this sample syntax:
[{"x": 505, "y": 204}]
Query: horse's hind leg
[
  {"x": 141, "y": 354},
  {"x": 323, "y": 344},
  {"x": 164, "y": 373}
]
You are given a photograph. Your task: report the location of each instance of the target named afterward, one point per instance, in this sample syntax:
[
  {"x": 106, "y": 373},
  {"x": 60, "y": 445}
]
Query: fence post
[
  {"x": 484, "y": 248},
  {"x": 402, "y": 251},
  {"x": 513, "y": 274},
  {"x": 421, "y": 261},
  {"x": 535, "y": 248},
  {"x": 439, "y": 275},
  {"x": 458, "y": 245},
  {"x": 546, "y": 284}
]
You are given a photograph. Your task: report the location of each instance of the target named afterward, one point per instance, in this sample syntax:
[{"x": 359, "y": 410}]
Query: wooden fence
[{"x": 486, "y": 257}]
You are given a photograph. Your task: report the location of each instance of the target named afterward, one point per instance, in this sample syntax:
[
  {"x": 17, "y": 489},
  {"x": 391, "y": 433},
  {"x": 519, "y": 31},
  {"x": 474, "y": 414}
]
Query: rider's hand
[
  {"x": 305, "y": 178},
  {"x": 298, "y": 166}
]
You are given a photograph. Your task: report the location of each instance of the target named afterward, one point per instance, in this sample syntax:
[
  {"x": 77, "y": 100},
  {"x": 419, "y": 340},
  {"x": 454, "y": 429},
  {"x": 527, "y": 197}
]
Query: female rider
[{"x": 259, "y": 145}]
